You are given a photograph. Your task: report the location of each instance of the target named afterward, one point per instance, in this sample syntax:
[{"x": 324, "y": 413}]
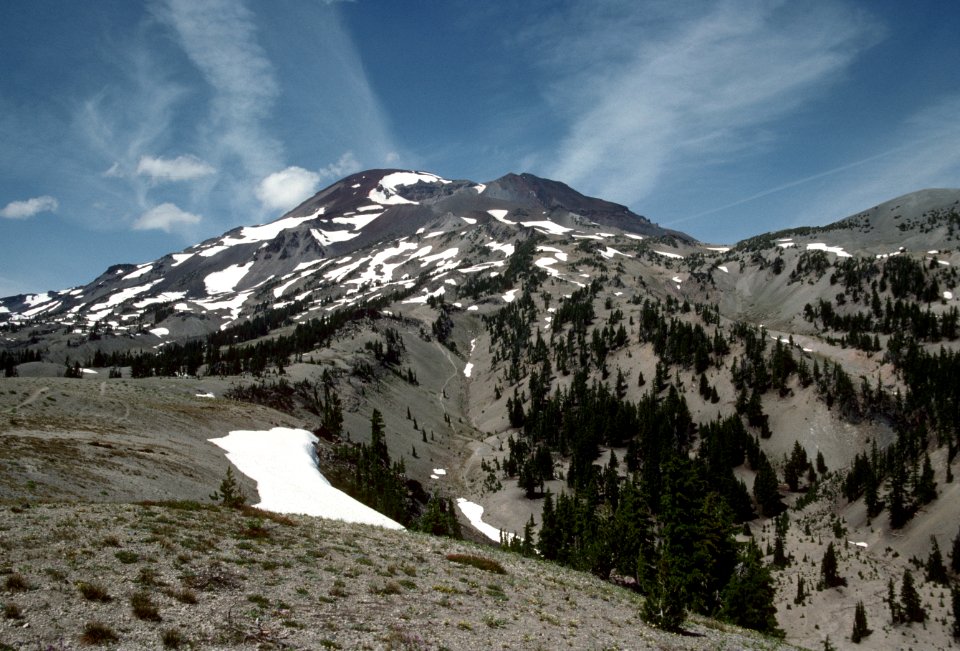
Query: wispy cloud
[
  {"x": 286, "y": 188},
  {"x": 649, "y": 89},
  {"x": 346, "y": 164},
  {"x": 165, "y": 217},
  {"x": 181, "y": 168},
  {"x": 29, "y": 208},
  {"x": 922, "y": 152},
  {"x": 219, "y": 37}
]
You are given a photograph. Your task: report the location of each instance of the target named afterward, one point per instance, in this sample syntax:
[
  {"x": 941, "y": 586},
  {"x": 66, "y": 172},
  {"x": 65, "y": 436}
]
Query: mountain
[{"x": 517, "y": 339}]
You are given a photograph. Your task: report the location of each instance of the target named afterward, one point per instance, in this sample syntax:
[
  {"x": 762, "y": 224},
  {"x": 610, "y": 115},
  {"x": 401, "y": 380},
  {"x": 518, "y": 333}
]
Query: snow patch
[
  {"x": 469, "y": 220},
  {"x": 205, "y": 395},
  {"x": 723, "y": 268},
  {"x": 468, "y": 369},
  {"x": 667, "y": 254},
  {"x": 718, "y": 249},
  {"x": 283, "y": 462},
  {"x": 506, "y": 249},
  {"x": 160, "y": 332},
  {"x": 500, "y": 216},
  {"x": 357, "y": 221},
  {"x": 180, "y": 258},
  {"x": 948, "y": 295},
  {"x": 139, "y": 272},
  {"x": 474, "y": 513},
  {"x": 510, "y": 295},
  {"x": 326, "y": 238},
  {"x": 820, "y": 246},
  {"x": 609, "y": 252},
  {"x": 222, "y": 282}
]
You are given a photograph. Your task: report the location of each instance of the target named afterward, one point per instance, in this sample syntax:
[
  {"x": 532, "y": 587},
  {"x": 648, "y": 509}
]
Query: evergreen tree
[
  {"x": 663, "y": 605},
  {"x": 230, "y": 494},
  {"x": 548, "y": 541},
  {"x": 936, "y": 571},
  {"x": 860, "y": 629},
  {"x": 955, "y": 554},
  {"x": 748, "y": 598},
  {"x": 955, "y": 595},
  {"x": 910, "y": 604},
  {"x": 828, "y": 569},
  {"x": 766, "y": 490},
  {"x": 925, "y": 490},
  {"x": 896, "y": 613},
  {"x": 801, "y": 592}
]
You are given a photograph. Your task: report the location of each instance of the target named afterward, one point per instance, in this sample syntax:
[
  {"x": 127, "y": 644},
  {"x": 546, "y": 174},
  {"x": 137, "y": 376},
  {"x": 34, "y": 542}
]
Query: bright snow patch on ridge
[
  {"x": 326, "y": 238},
  {"x": 500, "y": 215},
  {"x": 669, "y": 255},
  {"x": 468, "y": 369},
  {"x": 474, "y": 513},
  {"x": 820, "y": 246},
  {"x": 221, "y": 282},
  {"x": 283, "y": 463}
]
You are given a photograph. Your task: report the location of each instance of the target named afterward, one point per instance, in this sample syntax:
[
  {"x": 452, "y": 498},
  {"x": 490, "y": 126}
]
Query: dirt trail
[
  {"x": 443, "y": 390},
  {"x": 33, "y": 396}
]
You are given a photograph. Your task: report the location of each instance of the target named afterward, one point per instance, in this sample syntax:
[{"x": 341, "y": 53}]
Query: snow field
[{"x": 283, "y": 463}]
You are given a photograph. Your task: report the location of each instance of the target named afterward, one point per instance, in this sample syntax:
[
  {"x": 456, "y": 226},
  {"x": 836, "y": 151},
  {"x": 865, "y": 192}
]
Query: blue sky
[{"x": 130, "y": 130}]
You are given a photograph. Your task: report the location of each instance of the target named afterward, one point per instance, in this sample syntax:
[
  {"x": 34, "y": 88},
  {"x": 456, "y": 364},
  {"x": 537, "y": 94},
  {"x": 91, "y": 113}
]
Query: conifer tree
[
  {"x": 860, "y": 629},
  {"x": 910, "y": 605},
  {"x": 548, "y": 540},
  {"x": 955, "y": 594},
  {"x": 801, "y": 592},
  {"x": 936, "y": 571},
  {"x": 828, "y": 569},
  {"x": 955, "y": 554},
  {"x": 896, "y": 613},
  {"x": 766, "y": 488},
  {"x": 664, "y": 603},
  {"x": 748, "y": 597}
]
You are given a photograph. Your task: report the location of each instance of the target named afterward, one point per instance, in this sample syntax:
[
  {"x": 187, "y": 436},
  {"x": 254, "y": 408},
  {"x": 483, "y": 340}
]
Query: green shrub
[{"x": 480, "y": 562}]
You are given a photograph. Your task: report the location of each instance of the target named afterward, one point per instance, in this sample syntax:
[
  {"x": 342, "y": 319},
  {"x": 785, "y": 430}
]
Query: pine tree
[
  {"x": 936, "y": 571},
  {"x": 828, "y": 569},
  {"x": 801, "y": 592},
  {"x": 860, "y": 629},
  {"x": 766, "y": 489},
  {"x": 548, "y": 540},
  {"x": 955, "y": 594},
  {"x": 910, "y": 604},
  {"x": 955, "y": 554},
  {"x": 229, "y": 494},
  {"x": 926, "y": 488},
  {"x": 896, "y": 613},
  {"x": 748, "y": 597},
  {"x": 664, "y": 603}
]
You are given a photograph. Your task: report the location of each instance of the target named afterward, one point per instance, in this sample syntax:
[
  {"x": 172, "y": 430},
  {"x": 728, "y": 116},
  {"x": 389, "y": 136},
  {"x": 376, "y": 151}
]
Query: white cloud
[
  {"x": 181, "y": 168},
  {"x": 285, "y": 189},
  {"x": 29, "y": 208},
  {"x": 164, "y": 217},
  {"x": 345, "y": 165},
  {"x": 647, "y": 90}
]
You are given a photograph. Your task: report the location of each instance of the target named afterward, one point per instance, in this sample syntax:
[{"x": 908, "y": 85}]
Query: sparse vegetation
[{"x": 479, "y": 562}]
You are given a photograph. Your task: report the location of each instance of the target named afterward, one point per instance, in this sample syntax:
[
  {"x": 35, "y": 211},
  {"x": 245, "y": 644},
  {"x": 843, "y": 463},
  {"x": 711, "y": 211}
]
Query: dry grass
[{"x": 97, "y": 633}]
